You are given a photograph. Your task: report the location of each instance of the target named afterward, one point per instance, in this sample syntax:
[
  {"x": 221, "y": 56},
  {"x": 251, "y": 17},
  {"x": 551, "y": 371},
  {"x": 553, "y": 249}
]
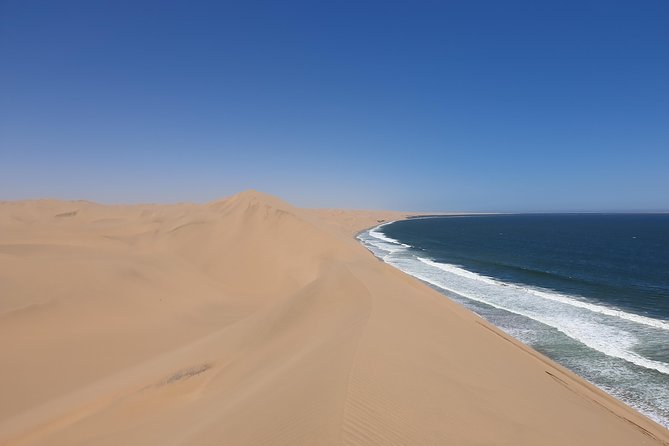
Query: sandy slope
[{"x": 247, "y": 321}]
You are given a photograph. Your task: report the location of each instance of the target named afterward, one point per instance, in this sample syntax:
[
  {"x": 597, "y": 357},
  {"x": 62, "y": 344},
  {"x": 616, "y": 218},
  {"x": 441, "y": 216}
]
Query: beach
[{"x": 248, "y": 321}]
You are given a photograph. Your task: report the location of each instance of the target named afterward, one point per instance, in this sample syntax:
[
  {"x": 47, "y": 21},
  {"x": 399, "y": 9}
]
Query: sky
[{"x": 417, "y": 105}]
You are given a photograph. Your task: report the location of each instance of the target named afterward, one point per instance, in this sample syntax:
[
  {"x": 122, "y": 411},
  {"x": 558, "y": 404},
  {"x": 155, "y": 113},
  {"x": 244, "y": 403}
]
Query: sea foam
[{"x": 611, "y": 331}]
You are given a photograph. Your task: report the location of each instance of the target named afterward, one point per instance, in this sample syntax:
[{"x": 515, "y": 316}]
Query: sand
[{"x": 247, "y": 321}]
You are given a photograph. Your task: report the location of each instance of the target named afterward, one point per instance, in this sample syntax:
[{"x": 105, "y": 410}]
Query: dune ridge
[{"x": 248, "y": 321}]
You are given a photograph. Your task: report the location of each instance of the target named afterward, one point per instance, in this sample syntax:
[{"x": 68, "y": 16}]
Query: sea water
[{"x": 590, "y": 291}]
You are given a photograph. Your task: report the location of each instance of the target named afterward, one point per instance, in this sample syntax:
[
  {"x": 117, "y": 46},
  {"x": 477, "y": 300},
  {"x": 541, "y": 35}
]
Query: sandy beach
[{"x": 247, "y": 321}]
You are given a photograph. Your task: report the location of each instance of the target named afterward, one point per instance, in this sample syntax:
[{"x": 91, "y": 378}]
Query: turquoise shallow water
[{"x": 591, "y": 291}]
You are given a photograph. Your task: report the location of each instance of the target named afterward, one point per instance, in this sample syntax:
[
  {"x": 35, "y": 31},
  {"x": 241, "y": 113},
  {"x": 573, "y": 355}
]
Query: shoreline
[{"x": 472, "y": 304}]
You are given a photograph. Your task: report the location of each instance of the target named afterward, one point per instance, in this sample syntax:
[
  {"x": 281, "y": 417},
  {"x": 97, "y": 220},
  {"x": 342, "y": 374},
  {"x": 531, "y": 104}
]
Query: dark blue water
[
  {"x": 618, "y": 260},
  {"x": 590, "y": 291}
]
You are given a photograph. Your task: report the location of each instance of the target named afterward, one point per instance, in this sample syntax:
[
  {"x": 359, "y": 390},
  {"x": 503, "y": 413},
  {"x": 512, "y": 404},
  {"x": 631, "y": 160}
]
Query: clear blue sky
[{"x": 440, "y": 105}]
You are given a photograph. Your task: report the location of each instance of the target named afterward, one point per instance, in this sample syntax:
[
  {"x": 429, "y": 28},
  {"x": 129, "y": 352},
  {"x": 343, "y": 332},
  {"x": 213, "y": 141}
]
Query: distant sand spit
[{"x": 247, "y": 321}]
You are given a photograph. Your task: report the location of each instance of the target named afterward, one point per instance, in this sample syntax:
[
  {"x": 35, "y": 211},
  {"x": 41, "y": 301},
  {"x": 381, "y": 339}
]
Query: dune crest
[{"x": 247, "y": 321}]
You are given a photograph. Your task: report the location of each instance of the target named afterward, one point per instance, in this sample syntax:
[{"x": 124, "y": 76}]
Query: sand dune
[{"x": 247, "y": 321}]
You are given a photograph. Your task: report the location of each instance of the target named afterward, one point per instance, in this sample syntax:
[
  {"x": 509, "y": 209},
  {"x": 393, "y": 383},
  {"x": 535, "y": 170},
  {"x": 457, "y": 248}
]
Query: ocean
[{"x": 590, "y": 291}]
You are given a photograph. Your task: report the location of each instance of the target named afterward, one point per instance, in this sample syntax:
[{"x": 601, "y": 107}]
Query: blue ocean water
[{"x": 590, "y": 291}]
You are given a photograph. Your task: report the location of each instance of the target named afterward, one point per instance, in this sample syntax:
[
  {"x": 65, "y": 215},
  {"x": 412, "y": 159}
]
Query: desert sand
[{"x": 247, "y": 321}]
